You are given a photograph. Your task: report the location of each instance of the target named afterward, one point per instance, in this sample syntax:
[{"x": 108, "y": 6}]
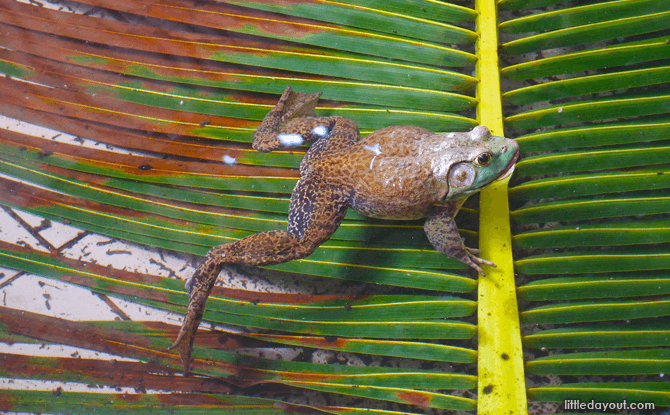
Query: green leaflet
[
  {"x": 588, "y": 85},
  {"x": 600, "y": 234},
  {"x": 590, "y": 33},
  {"x": 526, "y": 4},
  {"x": 653, "y": 178},
  {"x": 595, "y": 135},
  {"x": 582, "y": 209},
  {"x": 442, "y": 11},
  {"x": 589, "y": 60},
  {"x": 627, "y": 362},
  {"x": 596, "y": 310},
  {"x": 585, "y": 262},
  {"x": 590, "y": 160},
  {"x": 592, "y": 110},
  {"x": 597, "y": 286},
  {"x": 348, "y": 67},
  {"x": 205, "y": 197},
  {"x": 403, "y": 277},
  {"x": 417, "y": 329},
  {"x": 599, "y": 336}
]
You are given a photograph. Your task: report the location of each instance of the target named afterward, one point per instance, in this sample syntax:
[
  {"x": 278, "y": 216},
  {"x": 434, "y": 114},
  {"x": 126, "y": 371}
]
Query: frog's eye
[
  {"x": 484, "y": 159},
  {"x": 461, "y": 175}
]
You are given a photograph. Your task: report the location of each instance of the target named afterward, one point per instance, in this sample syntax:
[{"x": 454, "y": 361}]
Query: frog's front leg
[
  {"x": 315, "y": 212},
  {"x": 442, "y": 233}
]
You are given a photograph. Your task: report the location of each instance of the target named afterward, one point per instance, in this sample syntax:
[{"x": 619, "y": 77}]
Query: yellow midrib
[{"x": 501, "y": 385}]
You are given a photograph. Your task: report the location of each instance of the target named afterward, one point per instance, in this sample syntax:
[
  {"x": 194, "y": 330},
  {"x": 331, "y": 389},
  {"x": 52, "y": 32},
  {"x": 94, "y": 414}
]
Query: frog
[{"x": 399, "y": 172}]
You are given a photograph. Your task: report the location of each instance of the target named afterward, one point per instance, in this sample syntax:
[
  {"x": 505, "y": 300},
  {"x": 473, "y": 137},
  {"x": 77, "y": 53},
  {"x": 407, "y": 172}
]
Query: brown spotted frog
[{"x": 399, "y": 172}]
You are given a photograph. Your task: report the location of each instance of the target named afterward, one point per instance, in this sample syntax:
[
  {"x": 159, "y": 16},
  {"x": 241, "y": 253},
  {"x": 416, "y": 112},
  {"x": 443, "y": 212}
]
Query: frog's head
[{"x": 476, "y": 160}]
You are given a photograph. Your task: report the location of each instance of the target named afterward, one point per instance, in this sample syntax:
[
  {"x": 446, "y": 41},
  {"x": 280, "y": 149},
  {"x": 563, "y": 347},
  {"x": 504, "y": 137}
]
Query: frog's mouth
[{"x": 509, "y": 169}]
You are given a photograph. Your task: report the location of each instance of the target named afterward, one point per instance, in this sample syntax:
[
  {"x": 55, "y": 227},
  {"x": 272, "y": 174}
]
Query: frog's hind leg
[
  {"x": 282, "y": 127},
  {"x": 293, "y": 122},
  {"x": 258, "y": 249},
  {"x": 316, "y": 211}
]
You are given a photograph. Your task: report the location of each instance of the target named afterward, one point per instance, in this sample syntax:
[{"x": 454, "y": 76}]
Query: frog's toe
[
  {"x": 481, "y": 261},
  {"x": 184, "y": 345},
  {"x": 473, "y": 251},
  {"x": 475, "y": 262}
]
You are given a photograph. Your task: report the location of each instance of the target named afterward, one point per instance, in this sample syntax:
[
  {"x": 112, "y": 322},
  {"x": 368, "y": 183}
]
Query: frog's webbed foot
[
  {"x": 184, "y": 342},
  {"x": 473, "y": 261},
  {"x": 291, "y": 122},
  {"x": 443, "y": 235}
]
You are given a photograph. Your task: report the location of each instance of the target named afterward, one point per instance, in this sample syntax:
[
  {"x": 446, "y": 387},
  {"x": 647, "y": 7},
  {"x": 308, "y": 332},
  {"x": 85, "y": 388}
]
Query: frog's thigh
[
  {"x": 442, "y": 232},
  {"x": 342, "y": 133},
  {"x": 315, "y": 213}
]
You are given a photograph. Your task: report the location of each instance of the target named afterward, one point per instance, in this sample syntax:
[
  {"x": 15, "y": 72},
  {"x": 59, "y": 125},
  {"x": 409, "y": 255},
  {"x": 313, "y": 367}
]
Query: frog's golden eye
[{"x": 484, "y": 159}]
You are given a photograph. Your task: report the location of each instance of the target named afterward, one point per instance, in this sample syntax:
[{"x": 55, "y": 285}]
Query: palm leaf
[{"x": 177, "y": 89}]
